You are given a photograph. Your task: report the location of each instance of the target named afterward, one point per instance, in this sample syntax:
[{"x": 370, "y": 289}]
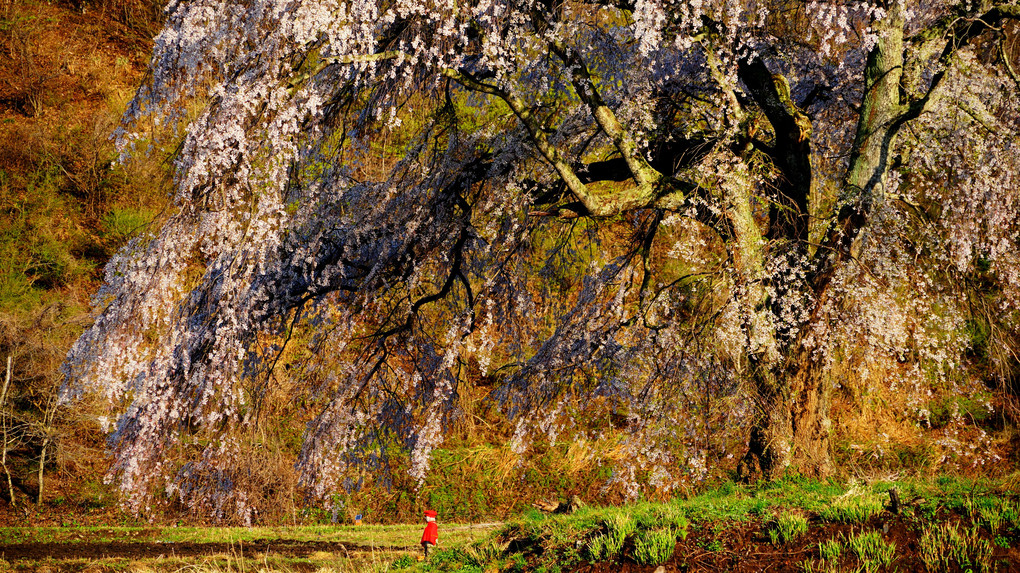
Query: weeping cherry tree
[{"x": 635, "y": 199}]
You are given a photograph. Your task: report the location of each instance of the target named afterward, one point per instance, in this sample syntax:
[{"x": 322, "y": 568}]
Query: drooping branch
[
  {"x": 1010, "y": 71},
  {"x": 298, "y": 80},
  {"x": 879, "y": 120},
  {"x": 646, "y": 177},
  {"x": 883, "y": 113},
  {"x": 962, "y": 32},
  {"x": 536, "y": 130}
]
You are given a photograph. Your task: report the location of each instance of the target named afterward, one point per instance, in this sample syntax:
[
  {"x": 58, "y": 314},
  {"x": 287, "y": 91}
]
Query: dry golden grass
[{"x": 888, "y": 423}]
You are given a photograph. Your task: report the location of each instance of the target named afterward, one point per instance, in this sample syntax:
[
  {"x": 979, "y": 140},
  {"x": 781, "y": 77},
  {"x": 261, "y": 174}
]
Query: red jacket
[{"x": 431, "y": 534}]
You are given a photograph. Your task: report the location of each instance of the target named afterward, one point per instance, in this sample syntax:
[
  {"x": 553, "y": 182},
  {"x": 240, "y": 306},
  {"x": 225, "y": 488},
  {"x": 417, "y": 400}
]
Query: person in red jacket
[{"x": 430, "y": 536}]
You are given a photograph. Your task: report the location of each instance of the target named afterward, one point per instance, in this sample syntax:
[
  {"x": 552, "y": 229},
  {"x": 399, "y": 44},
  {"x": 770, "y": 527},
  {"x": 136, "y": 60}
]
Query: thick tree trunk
[
  {"x": 811, "y": 424},
  {"x": 790, "y": 433},
  {"x": 770, "y": 445}
]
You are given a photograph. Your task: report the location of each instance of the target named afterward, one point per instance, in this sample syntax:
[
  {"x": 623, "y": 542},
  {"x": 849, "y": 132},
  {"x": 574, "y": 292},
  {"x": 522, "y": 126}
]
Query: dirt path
[{"x": 149, "y": 550}]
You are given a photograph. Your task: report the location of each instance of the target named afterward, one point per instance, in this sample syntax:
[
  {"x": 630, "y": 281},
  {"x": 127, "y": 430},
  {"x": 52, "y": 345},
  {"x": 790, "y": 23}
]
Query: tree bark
[
  {"x": 47, "y": 439},
  {"x": 42, "y": 464},
  {"x": 811, "y": 398},
  {"x": 791, "y": 430},
  {"x": 770, "y": 444}
]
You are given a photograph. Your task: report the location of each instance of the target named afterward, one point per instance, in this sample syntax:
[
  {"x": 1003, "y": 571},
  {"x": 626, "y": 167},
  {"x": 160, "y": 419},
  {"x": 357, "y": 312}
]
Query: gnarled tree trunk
[{"x": 791, "y": 429}]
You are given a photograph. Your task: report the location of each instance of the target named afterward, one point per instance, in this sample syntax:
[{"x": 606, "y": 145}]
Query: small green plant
[
  {"x": 991, "y": 516},
  {"x": 853, "y": 509},
  {"x": 1010, "y": 513},
  {"x": 714, "y": 545},
  {"x": 655, "y": 546},
  {"x": 122, "y": 223},
  {"x": 929, "y": 510},
  {"x": 620, "y": 523},
  {"x": 608, "y": 546},
  {"x": 598, "y": 550},
  {"x": 759, "y": 507},
  {"x": 403, "y": 562},
  {"x": 672, "y": 516},
  {"x": 517, "y": 563},
  {"x": 872, "y": 550},
  {"x": 484, "y": 552},
  {"x": 830, "y": 550},
  {"x": 620, "y": 526},
  {"x": 943, "y": 546},
  {"x": 1002, "y": 541},
  {"x": 820, "y": 566},
  {"x": 787, "y": 527}
]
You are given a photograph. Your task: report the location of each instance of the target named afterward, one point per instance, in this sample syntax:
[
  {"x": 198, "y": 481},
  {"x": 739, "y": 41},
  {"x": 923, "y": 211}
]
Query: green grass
[
  {"x": 1011, "y": 515},
  {"x": 237, "y": 563},
  {"x": 645, "y": 533},
  {"x": 602, "y": 548},
  {"x": 830, "y": 550},
  {"x": 461, "y": 546},
  {"x": 872, "y": 550},
  {"x": 122, "y": 223},
  {"x": 655, "y": 546},
  {"x": 608, "y": 545},
  {"x": 853, "y": 507},
  {"x": 944, "y": 547},
  {"x": 636, "y": 532},
  {"x": 787, "y": 528}
]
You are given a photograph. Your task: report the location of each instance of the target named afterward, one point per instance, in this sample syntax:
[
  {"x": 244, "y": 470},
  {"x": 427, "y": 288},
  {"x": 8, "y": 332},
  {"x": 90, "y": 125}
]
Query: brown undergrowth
[{"x": 66, "y": 73}]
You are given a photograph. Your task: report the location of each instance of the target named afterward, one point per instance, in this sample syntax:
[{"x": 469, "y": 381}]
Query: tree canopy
[{"x": 690, "y": 212}]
